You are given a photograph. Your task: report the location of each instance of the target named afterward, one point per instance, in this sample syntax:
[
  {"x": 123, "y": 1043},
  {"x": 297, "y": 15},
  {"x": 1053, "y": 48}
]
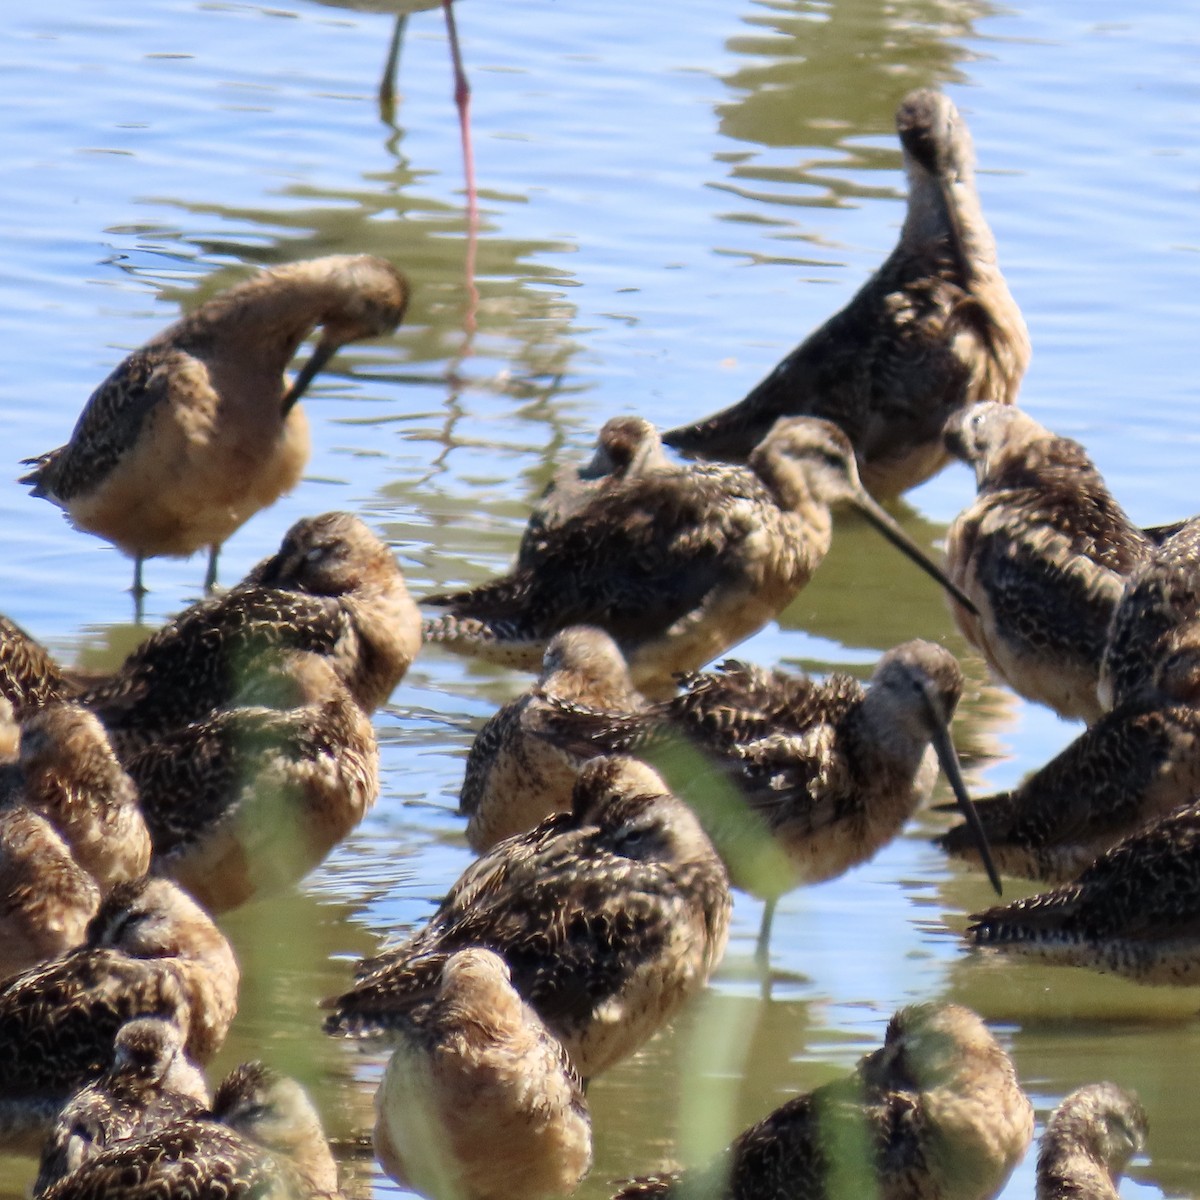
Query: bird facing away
[
  {"x": 831, "y": 770},
  {"x": 149, "y": 1084},
  {"x": 516, "y": 775},
  {"x": 1088, "y": 1142},
  {"x": 29, "y": 676},
  {"x": 677, "y": 566},
  {"x": 1135, "y": 911},
  {"x": 934, "y": 329},
  {"x": 936, "y": 1114},
  {"x": 263, "y": 1139},
  {"x": 70, "y": 830},
  {"x": 479, "y": 1101},
  {"x": 195, "y": 432},
  {"x": 250, "y": 799},
  {"x": 333, "y": 589},
  {"x": 626, "y": 448},
  {"x": 1136, "y": 763},
  {"x": 610, "y": 918},
  {"x": 149, "y": 951},
  {"x": 1157, "y": 618},
  {"x": 1044, "y": 552}
]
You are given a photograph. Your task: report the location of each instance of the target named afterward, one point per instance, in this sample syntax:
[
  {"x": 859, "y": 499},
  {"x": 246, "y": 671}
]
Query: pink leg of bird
[{"x": 462, "y": 98}]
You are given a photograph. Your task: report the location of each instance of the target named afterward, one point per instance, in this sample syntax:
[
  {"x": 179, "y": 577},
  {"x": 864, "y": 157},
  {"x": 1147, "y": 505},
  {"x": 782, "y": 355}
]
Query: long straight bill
[
  {"x": 320, "y": 356},
  {"x": 948, "y": 757},
  {"x": 894, "y": 534}
]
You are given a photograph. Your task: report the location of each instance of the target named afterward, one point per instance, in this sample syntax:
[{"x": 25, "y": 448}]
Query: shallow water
[{"x": 672, "y": 195}]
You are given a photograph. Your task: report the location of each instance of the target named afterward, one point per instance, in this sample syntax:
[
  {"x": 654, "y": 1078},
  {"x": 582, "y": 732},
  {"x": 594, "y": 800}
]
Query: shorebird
[
  {"x": 609, "y": 917},
  {"x": 1044, "y": 552},
  {"x": 626, "y": 448},
  {"x": 1157, "y": 618},
  {"x": 249, "y": 799},
  {"x": 1088, "y": 1142},
  {"x": 676, "y": 565},
  {"x": 830, "y": 770},
  {"x": 1138, "y": 762},
  {"x": 150, "y": 951},
  {"x": 934, "y": 329},
  {"x": 1135, "y": 911},
  {"x": 70, "y": 830},
  {"x": 29, "y": 676},
  {"x": 936, "y": 1114},
  {"x": 516, "y": 775},
  {"x": 149, "y": 1084},
  {"x": 195, "y": 432},
  {"x": 263, "y": 1138},
  {"x": 333, "y": 589},
  {"x": 479, "y": 1101}
]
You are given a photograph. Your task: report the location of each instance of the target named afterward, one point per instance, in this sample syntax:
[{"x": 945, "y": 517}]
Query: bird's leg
[
  {"x": 762, "y": 948},
  {"x": 462, "y": 99},
  {"x": 138, "y": 590},
  {"x": 391, "y": 69},
  {"x": 210, "y": 576}
]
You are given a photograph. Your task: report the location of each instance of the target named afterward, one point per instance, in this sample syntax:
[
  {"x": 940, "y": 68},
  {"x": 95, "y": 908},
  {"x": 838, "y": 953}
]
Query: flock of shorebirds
[{"x": 611, "y": 804}]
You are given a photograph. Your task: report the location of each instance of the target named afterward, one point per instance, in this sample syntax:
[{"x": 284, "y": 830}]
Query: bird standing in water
[
  {"x": 195, "y": 432},
  {"x": 1044, "y": 551},
  {"x": 676, "y": 566},
  {"x": 934, "y": 329}
]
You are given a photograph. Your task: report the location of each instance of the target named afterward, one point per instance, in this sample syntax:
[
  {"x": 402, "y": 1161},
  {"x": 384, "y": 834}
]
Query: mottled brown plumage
[
  {"x": 249, "y": 799},
  {"x": 29, "y": 675},
  {"x": 70, "y": 829},
  {"x": 829, "y": 770},
  {"x": 1135, "y": 911},
  {"x": 262, "y": 1141},
  {"x": 934, "y": 329},
  {"x": 1088, "y": 1142},
  {"x": 150, "y": 951},
  {"x": 677, "y": 566},
  {"x": 609, "y": 917},
  {"x": 333, "y": 589},
  {"x": 516, "y": 776},
  {"x": 936, "y": 1114},
  {"x": 195, "y": 432},
  {"x": 149, "y": 1084},
  {"x": 479, "y": 1101},
  {"x": 626, "y": 447},
  {"x": 1138, "y": 762},
  {"x": 1044, "y": 552},
  {"x": 1157, "y": 619}
]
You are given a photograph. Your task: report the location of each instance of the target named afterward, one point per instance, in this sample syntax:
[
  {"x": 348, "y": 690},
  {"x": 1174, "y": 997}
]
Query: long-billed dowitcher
[
  {"x": 1044, "y": 552},
  {"x": 516, "y": 775},
  {"x": 195, "y": 432},
  {"x": 933, "y": 329},
  {"x": 1138, "y": 762},
  {"x": 249, "y": 799},
  {"x": 150, "y": 951},
  {"x": 479, "y": 1101},
  {"x": 149, "y": 1084},
  {"x": 609, "y": 917},
  {"x": 676, "y": 565},
  {"x": 262, "y": 1139},
  {"x": 1157, "y": 618},
  {"x": 333, "y": 589},
  {"x": 1088, "y": 1142},
  {"x": 830, "y": 770},
  {"x": 626, "y": 447},
  {"x": 936, "y": 1114},
  {"x": 70, "y": 829},
  {"x": 1135, "y": 911}
]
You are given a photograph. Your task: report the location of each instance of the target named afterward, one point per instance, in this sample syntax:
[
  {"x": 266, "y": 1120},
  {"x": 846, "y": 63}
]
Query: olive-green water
[{"x": 671, "y": 195}]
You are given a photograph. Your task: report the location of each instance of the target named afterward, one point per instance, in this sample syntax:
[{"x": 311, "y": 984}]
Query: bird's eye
[{"x": 315, "y": 554}]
